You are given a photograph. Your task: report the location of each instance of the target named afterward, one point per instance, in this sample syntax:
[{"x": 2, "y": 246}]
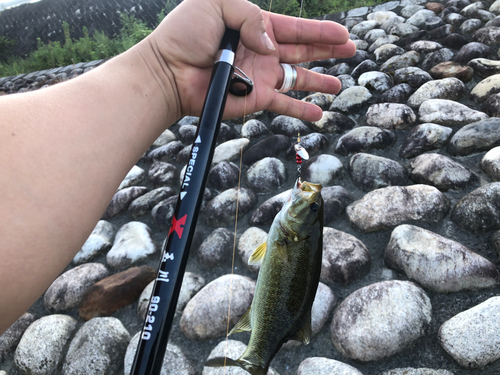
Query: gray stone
[
  {"x": 434, "y": 58},
  {"x": 476, "y": 137},
  {"x": 253, "y": 129},
  {"x": 313, "y": 142},
  {"x": 133, "y": 177},
  {"x": 250, "y": 240},
  {"x": 391, "y": 116},
  {"x": 438, "y": 263},
  {"x": 339, "y": 69},
  {"x": 346, "y": 82},
  {"x": 381, "y": 15},
  {"x": 388, "y": 207},
  {"x": 187, "y": 133},
  {"x": 351, "y": 99},
  {"x": 97, "y": 348},
  {"x": 266, "y": 175},
  {"x": 372, "y": 35},
  {"x": 380, "y": 320},
  {"x": 405, "y": 60},
  {"x": 164, "y": 138},
  {"x": 216, "y": 249},
  {"x": 145, "y": 203},
  {"x": 320, "y": 365},
  {"x": 163, "y": 212},
  {"x": 265, "y": 213},
  {"x": 365, "y": 66},
  {"x": 413, "y": 76},
  {"x": 398, "y": 94},
  {"x": 335, "y": 198},
  {"x": 488, "y": 35},
  {"x": 322, "y": 169},
  {"x": 333, "y": 122},
  {"x": 471, "y": 51},
  {"x": 122, "y": 199},
  {"x": 370, "y": 172},
  {"x": 345, "y": 258},
  {"x": 363, "y": 27},
  {"x": 11, "y": 337},
  {"x": 133, "y": 244},
  {"x": 425, "y": 46},
  {"x": 485, "y": 67},
  {"x": 479, "y": 323},
  {"x": 375, "y": 81},
  {"x": 420, "y": 17},
  {"x": 363, "y": 139},
  {"x": 205, "y": 315},
  {"x": 174, "y": 361},
  {"x": 424, "y": 137},
  {"x": 492, "y": 105},
  {"x": 389, "y": 39},
  {"x": 471, "y": 25},
  {"x": 446, "y": 88},
  {"x": 166, "y": 152},
  {"x": 289, "y": 126},
  {"x": 221, "y": 210},
  {"x": 448, "y": 112},
  {"x": 163, "y": 174},
  {"x": 230, "y": 150},
  {"x": 321, "y": 100},
  {"x": 495, "y": 7},
  {"x": 67, "y": 290},
  {"x": 490, "y": 163},
  {"x": 441, "y": 171},
  {"x": 402, "y": 30},
  {"x": 361, "y": 45},
  {"x": 411, "y": 9},
  {"x": 40, "y": 350},
  {"x": 484, "y": 89},
  {"x": 477, "y": 211},
  {"x": 99, "y": 241},
  {"x": 416, "y": 371},
  {"x": 224, "y": 175}
]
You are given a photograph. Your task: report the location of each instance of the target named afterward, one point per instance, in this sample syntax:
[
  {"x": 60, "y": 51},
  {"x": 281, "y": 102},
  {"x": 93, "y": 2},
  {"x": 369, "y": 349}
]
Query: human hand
[{"x": 187, "y": 41}]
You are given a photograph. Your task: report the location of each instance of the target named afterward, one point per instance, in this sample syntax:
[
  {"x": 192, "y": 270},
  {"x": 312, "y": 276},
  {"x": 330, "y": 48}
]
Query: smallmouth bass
[{"x": 287, "y": 281}]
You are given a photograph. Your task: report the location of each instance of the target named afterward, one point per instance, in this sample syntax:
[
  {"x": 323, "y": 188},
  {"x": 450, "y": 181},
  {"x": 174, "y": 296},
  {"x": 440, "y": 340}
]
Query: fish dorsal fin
[
  {"x": 304, "y": 333},
  {"x": 244, "y": 324},
  {"x": 258, "y": 255}
]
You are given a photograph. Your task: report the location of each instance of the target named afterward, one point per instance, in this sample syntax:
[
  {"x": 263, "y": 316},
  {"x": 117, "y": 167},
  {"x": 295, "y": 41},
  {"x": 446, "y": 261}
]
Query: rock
[
  {"x": 476, "y": 137},
  {"x": 145, "y": 203},
  {"x": 370, "y": 172},
  {"x": 266, "y": 175},
  {"x": 435, "y": 58},
  {"x": 338, "y": 69},
  {"x": 492, "y": 105},
  {"x": 187, "y": 133},
  {"x": 385, "y": 52},
  {"x": 450, "y": 69},
  {"x": 471, "y": 25},
  {"x": 477, "y": 211},
  {"x": 412, "y": 75},
  {"x": 470, "y": 9},
  {"x": 321, "y": 100},
  {"x": 375, "y": 81},
  {"x": 216, "y": 249},
  {"x": 448, "y": 112},
  {"x": 112, "y": 293},
  {"x": 250, "y": 240},
  {"x": 99, "y": 241},
  {"x": 289, "y": 126},
  {"x": 484, "y": 89},
  {"x": 231, "y": 349},
  {"x": 191, "y": 284},
  {"x": 221, "y": 210},
  {"x": 254, "y": 129},
  {"x": 265, "y": 213},
  {"x": 11, "y": 337},
  {"x": 345, "y": 258},
  {"x": 166, "y": 152},
  {"x": 363, "y": 139},
  {"x": 133, "y": 177},
  {"x": 133, "y": 244},
  {"x": 446, "y": 88},
  {"x": 388, "y": 207},
  {"x": 40, "y": 350},
  {"x": 319, "y": 365},
  {"x": 174, "y": 361},
  {"x": 441, "y": 171},
  {"x": 425, "y": 46},
  {"x": 372, "y": 35},
  {"x": 479, "y": 322},
  {"x": 226, "y": 133},
  {"x": 184, "y": 155},
  {"x": 163, "y": 213},
  {"x": 402, "y": 29},
  {"x": 205, "y": 315},
  {"x": 363, "y": 27},
  {"x": 380, "y": 320},
  {"x": 438, "y": 263},
  {"x": 365, "y": 66},
  {"x": 441, "y": 33},
  {"x": 454, "y": 19},
  {"x": 390, "y": 116},
  {"x": 224, "y": 175},
  {"x": 488, "y": 36},
  {"x": 313, "y": 143},
  {"x": 419, "y": 18},
  {"x": 230, "y": 150},
  {"x": 411, "y": 58},
  {"x": 361, "y": 45},
  {"x": 416, "y": 371},
  {"x": 424, "y": 137},
  {"x": 381, "y": 16},
  {"x": 389, "y": 39},
  {"x": 97, "y": 348},
  {"x": 67, "y": 290},
  {"x": 322, "y": 169},
  {"x": 270, "y": 146},
  {"x": 455, "y": 41},
  {"x": 162, "y": 174},
  {"x": 485, "y": 67},
  {"x": 471, "y": 51},
  {"x": 398, "y": 94},
  {"x": 491, "y": 163},
  {"x": 122, "y": 199},
  {"x": 164, "y": 138},
  {"x": 351, "y": 99},
  {"x": 409, "y": 10},
  {"x": 495, "y": 7},
  {"x": 333, "y": 122}
]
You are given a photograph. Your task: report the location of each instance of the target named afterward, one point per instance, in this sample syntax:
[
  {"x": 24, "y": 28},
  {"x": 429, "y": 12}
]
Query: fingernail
[{"x": 268, "y": 42}]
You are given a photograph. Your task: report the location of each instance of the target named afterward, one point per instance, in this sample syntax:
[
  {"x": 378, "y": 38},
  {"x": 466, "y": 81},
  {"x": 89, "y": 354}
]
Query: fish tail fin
[{"x": 221, "y": 362}]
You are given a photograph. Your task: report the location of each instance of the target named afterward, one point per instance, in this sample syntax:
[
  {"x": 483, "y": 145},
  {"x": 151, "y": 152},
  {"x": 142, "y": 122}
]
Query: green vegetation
[{"x": 101, "y": 46}]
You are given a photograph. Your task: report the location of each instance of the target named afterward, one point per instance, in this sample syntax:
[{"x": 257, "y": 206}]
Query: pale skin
[{"x": 65, "y": 149}]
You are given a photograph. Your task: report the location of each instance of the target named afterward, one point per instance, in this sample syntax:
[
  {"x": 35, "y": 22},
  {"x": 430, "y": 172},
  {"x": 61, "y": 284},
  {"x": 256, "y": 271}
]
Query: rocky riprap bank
[{"x": 409, "y": 157}]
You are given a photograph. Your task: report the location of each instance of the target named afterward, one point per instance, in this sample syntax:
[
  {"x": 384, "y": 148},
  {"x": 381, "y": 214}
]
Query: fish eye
[{"x": 314, "y": 206}]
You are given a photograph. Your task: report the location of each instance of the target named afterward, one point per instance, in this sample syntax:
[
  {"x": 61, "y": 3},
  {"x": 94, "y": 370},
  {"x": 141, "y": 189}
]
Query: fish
[{"x": 288, "y": 279}]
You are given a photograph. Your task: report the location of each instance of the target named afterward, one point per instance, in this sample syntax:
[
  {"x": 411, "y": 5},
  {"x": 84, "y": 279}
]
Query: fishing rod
[{"x": 163, "y": 302}]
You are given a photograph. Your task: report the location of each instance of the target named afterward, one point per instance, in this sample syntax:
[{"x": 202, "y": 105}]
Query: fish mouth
[{"x": 309, "y": 187}]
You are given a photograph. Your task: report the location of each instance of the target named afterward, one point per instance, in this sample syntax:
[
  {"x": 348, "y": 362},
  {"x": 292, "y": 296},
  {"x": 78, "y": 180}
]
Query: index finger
[{"x": 293, "y": 30}]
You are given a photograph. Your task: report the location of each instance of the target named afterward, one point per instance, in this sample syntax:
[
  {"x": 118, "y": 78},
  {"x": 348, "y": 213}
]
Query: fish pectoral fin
[
  {"x": 304, "y": 333},
  {"x": 282, "y": 251},
  {"x": 258, "y": 255},
  {"x": 243, "y": 324}
]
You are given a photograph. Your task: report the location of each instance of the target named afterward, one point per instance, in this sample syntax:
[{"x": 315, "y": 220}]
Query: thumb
[{"x": 248, "y": 18}]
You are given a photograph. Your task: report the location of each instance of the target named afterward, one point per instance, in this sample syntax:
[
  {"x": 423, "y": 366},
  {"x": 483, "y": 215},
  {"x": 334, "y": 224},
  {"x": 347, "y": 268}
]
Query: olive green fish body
[{"x": 287, "y": 282}]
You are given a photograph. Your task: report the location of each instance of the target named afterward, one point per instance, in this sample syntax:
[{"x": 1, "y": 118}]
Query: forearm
[{"x": 64, "y": 152}]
